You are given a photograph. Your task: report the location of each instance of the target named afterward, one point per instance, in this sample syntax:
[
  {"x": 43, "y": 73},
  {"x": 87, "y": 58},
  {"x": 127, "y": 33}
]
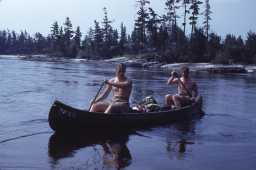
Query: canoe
[{"x": 66, "y": 118}]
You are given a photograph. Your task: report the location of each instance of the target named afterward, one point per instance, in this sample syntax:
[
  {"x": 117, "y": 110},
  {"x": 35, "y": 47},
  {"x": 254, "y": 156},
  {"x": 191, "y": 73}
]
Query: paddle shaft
[{"x": 96, "y": 95}]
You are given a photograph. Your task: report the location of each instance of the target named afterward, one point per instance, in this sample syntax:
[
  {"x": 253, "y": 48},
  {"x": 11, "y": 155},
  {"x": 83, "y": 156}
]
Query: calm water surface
[{"x": 225, "y": 138}]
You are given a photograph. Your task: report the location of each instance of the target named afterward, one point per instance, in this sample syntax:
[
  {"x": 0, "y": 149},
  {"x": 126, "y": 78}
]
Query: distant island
[{"x": 155, "y": 38}]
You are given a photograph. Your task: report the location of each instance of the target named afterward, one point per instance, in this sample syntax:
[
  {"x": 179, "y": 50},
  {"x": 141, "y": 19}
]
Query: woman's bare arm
[{"x": 173, "y": 79}]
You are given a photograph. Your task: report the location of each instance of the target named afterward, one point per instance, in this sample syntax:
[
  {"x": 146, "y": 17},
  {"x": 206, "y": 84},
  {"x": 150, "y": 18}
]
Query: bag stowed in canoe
[{"x": 148, "y": 104}]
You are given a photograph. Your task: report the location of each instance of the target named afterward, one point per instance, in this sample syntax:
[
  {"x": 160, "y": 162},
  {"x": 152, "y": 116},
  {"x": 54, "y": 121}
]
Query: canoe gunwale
[{"x": 59, "y": 103}]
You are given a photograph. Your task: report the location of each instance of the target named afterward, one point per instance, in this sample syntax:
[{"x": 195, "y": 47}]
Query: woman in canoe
[
  {"x": 187, "y": 89},
  {"x": 121, "y": 87}
]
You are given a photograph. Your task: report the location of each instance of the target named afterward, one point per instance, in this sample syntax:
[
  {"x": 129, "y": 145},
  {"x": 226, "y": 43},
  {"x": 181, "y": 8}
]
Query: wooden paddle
[{"x": 101, "y": 86}]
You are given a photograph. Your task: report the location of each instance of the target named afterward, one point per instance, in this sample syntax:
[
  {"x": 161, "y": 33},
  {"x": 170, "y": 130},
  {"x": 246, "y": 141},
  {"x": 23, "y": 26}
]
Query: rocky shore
[
  {"x": 149, "y": 64},
  {"x": 202, "y": 67}
]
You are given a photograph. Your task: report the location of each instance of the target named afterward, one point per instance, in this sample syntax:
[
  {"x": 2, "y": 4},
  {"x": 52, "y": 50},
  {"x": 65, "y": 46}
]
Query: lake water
[{"x": 225, "y": 138}]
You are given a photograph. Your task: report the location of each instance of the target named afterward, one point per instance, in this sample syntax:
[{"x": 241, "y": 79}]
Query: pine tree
[
  {"x": 114, "y": 50},
  {"x": 140, "y": 22},
  {"x": 152, "y": 27},
  {"x": 55, "y": 30},
  {"x": 207, "y": 17},
  {"x": 106, "y": 28},
  {"x": 77, "y": 38},
  {"x": 186, "y": 11},
  {"x": 163, "y": 38},
  {"x": 171, "y": 16},
  {"x": 55, "y": 35},
  {"x": 9, "y": 42},
  {"x": 123, "y": 38},
  {"x": 3, "y": 38},
  {"x": 98, "y": 37},
  {"x": 40, "y": 43},
  {"x": 114, "y": 37},
  {"x": 61, "y": 42},
  {"x": 21, "y": 42},
  {"x": 76, "y": 44},
  {"x": 88, "y": 44},
  {"x": 68, "y": 32},
  {"x": 135, "y": 41},
  {"x": 214, "y": 46},
  {"x": 197, "y": 46},
  {"x": 194, "y": 7},
  {"x": 250, "y": 47},
  {"x": 14, "y": 41}
]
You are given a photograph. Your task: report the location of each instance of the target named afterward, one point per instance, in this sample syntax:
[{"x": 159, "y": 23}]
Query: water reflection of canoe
[
  {"x": 64, "y": 118},
  {"x": 65, "y": 145},
  {"x": 113, "y": 151}
]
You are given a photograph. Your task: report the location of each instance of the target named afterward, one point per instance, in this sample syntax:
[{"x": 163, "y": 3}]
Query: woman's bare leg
[
  {"x": 117, "y": 108},
  {"x": 99, "y": 107},
  {"x": 169, "y": 100},
  {"x": 109, "y": 109},
  {"x": 181, "y": 100},
  {"x": 176, "y": 100}
]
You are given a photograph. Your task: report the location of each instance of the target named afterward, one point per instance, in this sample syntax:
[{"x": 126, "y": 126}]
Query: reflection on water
[
  {"x": 114, "y": 152},
  {"x": 178, "y": 150},
  {"x": 179, "y": 136},
  {"x": 110, "y": 146}
]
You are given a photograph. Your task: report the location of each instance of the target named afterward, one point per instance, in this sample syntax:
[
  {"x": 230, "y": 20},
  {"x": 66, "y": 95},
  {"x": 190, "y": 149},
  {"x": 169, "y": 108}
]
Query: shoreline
[
  {"x": 196, "y": 67},
  {"x": 140, "y": 62}
]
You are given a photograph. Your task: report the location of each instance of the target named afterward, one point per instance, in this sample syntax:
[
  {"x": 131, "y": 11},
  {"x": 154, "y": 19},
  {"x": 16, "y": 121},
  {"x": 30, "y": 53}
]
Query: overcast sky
[{"x": 229, "y": 16}]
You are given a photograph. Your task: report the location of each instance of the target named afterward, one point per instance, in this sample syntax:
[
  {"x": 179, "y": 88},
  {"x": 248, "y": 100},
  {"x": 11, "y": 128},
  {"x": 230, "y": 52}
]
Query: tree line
[{"x": 174, "y": 36}]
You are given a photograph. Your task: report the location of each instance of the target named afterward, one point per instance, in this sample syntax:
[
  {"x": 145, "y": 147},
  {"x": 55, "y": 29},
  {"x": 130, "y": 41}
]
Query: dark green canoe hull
[{"x": 64, "y": 118}]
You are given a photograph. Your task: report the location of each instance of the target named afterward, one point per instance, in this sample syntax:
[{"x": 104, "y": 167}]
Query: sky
[{"x": 229, "y": 16}]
